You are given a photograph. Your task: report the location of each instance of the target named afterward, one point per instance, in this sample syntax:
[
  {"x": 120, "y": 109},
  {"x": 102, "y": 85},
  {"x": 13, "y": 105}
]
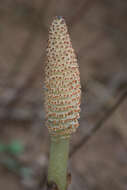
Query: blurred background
[{"x": 98, "y": 29}]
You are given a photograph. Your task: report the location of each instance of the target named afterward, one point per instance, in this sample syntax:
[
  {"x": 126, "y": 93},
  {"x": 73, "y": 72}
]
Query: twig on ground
[{"x": 100, "y": 123}]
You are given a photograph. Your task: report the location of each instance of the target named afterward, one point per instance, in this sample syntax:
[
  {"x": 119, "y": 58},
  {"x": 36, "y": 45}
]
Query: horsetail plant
[{"x": 62, "y": 99}]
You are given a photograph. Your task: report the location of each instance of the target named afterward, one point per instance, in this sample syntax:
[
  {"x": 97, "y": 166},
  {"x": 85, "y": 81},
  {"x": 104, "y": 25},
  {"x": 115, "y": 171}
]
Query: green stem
[{"x": 57, "y": 171}]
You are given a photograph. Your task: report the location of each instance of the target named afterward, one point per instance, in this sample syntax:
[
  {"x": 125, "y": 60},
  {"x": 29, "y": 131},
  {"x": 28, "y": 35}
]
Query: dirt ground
[{"x": 98, "y": 31}]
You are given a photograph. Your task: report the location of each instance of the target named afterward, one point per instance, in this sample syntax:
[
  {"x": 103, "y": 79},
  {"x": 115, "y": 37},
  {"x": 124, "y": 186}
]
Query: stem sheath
[{"x": 57, "y": 171}]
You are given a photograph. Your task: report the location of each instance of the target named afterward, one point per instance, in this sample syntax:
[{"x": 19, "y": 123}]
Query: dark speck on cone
[{"x": 59, "y": 17}]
